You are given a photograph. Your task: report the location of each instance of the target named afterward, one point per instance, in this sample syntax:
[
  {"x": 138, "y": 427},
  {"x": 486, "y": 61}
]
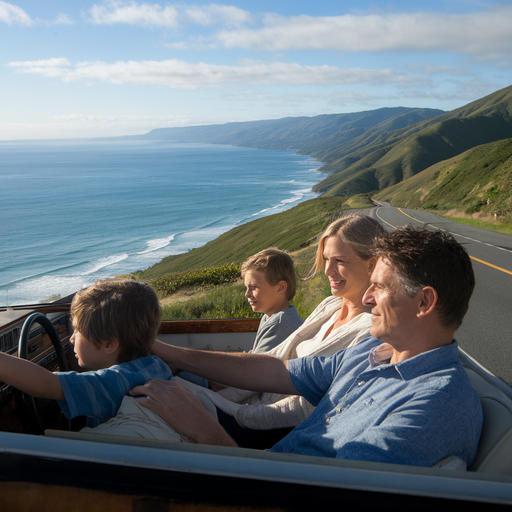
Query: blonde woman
[{"x": 259, "y": 420}]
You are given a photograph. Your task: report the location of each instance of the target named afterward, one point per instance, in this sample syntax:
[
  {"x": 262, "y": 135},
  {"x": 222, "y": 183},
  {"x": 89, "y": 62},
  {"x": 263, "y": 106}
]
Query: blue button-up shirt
[{"x": 415, "y": 412}]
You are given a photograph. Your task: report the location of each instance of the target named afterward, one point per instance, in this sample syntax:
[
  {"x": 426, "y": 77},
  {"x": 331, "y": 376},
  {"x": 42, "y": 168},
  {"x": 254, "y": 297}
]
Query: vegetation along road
[{"x": 486, "y": 332}]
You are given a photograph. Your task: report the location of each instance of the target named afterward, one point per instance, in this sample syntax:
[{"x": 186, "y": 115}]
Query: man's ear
[
  {"x": 428, "y": 300},
  {"x": 110, "y": 347}
]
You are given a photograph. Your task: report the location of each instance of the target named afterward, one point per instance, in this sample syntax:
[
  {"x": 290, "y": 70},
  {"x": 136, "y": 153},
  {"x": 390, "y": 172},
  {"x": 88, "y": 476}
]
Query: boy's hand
[{"x": 183, "y": 411}]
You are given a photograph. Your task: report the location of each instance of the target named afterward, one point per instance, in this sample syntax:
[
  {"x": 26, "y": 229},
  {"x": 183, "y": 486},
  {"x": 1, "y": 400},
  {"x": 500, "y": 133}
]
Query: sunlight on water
[{"x": 74, "y": 211}]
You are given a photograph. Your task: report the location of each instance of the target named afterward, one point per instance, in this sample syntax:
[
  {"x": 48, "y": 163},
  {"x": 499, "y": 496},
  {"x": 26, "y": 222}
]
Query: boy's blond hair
[
  {"x": 276, "y": 265},
  {"x": 125, "y": 310}
]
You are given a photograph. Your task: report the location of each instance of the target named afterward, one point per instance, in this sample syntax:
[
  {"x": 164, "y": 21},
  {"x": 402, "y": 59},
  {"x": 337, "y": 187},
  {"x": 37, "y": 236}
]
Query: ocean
[{"x": 73, "y": 211}]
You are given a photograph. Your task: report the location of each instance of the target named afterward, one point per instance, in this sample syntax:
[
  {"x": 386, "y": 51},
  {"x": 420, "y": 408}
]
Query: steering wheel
[{"x": 33, "y": 407}]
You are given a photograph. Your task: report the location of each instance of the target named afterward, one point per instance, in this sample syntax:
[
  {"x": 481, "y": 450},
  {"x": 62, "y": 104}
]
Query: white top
[{"x": 268, "y": 411}]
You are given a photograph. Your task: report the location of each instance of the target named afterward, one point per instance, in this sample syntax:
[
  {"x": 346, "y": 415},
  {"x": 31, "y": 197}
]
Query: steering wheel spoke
[{"x": 33, "y": 405}]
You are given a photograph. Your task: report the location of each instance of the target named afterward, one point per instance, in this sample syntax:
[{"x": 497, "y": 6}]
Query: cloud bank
[
  {"x": 179, "y": 74},
  {"x": 171, "y": 16},
  {"x": 475, "y": 33},
  {"x": 485, "y": 34}
]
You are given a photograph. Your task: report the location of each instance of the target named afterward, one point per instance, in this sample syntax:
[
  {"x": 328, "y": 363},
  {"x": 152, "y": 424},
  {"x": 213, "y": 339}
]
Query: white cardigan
[{"x": 268, "y": 411}]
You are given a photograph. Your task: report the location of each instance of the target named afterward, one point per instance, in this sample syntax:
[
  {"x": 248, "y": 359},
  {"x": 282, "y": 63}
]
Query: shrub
[{"x": 211, "y": 276}]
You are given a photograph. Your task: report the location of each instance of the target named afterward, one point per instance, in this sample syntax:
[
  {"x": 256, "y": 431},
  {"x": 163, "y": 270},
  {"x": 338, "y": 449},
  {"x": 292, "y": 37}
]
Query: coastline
[{"x": 66, "y": 268}]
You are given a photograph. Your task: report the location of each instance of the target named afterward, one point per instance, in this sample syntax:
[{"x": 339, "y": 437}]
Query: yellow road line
[
  {"x": 408, "y": 215},
  {"x": 491, "y": 265}
]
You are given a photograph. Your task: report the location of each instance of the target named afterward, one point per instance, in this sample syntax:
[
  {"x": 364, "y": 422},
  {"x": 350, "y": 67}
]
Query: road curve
[{"x": 485, "y": 334}]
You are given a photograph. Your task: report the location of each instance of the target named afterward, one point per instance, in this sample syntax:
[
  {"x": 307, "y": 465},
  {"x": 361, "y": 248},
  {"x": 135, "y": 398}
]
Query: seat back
[{"x": 494, "y": 453}]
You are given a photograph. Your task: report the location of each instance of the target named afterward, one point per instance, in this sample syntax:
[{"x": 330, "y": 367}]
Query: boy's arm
[
  {"x": 30, "y": 378},
  {"x": 254, "y": 372}
]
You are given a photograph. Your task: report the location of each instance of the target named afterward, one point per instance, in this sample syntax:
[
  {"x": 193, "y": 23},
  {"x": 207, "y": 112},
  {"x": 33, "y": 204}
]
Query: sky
[{"x": 107, "y": 68}]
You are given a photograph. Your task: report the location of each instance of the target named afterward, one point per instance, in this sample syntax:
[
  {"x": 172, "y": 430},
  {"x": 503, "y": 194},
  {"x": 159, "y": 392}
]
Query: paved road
[{"x": 486, "y": 332}]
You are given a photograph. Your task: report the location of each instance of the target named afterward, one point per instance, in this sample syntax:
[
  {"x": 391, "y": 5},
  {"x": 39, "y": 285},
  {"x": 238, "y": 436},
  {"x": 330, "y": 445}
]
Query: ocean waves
[
  {"x": 124, "y": 206},
  {"x": 105, "y": 262},
  {"x": 159, "y": 243}
]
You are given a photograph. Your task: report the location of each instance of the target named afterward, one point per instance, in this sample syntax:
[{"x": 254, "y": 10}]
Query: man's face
[{"x": 392, "y": 311}]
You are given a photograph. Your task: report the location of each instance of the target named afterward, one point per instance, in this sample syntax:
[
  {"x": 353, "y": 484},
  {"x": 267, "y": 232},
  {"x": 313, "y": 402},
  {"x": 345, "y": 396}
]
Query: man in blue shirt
[{"x": 401, "y": 396}]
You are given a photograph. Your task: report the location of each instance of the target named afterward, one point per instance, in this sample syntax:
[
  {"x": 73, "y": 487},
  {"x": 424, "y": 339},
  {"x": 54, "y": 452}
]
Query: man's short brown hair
[
  {"x": 125, "y": 310},
  {"x": 277, "y": 266},
  {"x": 430, "y": 258}
]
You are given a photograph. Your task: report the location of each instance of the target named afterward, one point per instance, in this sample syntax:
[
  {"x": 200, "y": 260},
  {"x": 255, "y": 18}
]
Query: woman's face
[{"x": 349, "y": 275}]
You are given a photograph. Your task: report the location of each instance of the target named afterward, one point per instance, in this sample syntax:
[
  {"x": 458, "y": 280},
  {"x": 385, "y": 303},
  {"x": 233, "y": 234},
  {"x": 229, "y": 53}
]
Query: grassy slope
[
  {"x": 289, "y": 230},
  {"x": 464, "y": 183},
  {"x": 476, "y": 181},
  {"x": 395, "y": 156},
  {"x": 380, "y": 149},
  {"x": 482, "y": 173}
]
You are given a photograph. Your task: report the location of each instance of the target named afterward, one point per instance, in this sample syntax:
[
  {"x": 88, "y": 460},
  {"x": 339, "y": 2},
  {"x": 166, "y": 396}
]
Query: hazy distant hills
[
  {"x": 325, "y": 137},
  {"x": 367, "y": 151},
  {"x": 316, "y": 136}
]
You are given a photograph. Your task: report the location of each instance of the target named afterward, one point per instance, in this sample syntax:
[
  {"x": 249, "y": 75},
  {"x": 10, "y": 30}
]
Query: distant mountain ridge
[
  {"x": 325, "y": 137},
  {"x": 314, "y": 136},
  {"x": 400, "y": 154},
  {"x": 366, "y": 151}
]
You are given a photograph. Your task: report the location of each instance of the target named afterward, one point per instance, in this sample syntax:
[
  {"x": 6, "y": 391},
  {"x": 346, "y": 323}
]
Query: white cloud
[
  {"x": 100, "y": 125},
  {"x": 63, "y": 19},
  {"x": 477, "y": 33},
  {"x": 154, "y": 15},
  {"x": 216, "y": 14},
  {"x": 132, "y": 13},
  {"x": 428, "y": 68},
  {"x": 183, "y": 75},
  {"x": 14, "y": 15},
  {"x": 484, "y": 34},
  {"x": 55, "y": 67}
]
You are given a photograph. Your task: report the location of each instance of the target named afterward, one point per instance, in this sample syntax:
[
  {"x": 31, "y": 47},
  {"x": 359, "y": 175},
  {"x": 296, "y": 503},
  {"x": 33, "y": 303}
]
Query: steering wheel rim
[{"x": 46, "y": 324}]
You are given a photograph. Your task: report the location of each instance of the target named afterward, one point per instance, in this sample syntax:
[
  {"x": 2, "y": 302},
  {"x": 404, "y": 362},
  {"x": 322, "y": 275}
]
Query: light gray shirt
[{"x": 275, "y": 329}]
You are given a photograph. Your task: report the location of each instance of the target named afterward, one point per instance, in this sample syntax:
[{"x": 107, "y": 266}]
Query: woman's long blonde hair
[{"x": 357, "y": 231}]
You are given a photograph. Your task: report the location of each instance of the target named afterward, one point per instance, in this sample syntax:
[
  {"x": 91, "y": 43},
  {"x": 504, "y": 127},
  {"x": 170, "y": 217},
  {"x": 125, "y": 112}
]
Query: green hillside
[
  {"x": 289, "y": 230},
  {"x": 478, "y": 181},
  {"x": 398, "y": 155}
]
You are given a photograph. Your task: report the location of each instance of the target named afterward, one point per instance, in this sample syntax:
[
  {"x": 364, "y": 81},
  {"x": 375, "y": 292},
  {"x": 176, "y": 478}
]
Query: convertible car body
[{"x": 46, "y": 464}]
